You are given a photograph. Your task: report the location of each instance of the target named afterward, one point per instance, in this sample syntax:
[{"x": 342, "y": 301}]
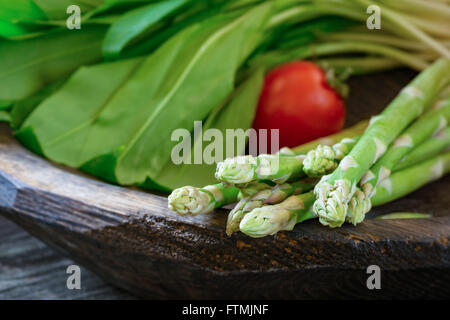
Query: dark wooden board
[{"x": 130, "y": 238}]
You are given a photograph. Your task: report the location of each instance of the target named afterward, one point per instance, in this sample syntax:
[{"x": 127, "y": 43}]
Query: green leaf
[
  {"x": 20, "y": 9},
  {"x": 13, "y": 11},
  {"x": 29, "y": 65},
  {"x": 21, "y": 109},
  {"x": 244, "y": 101},
  {"x": 200, "y": 77},
  {"x": 121, "y": 115},
  {"x": 62, "y": 123},
  {"x": 135, "y": 22}
]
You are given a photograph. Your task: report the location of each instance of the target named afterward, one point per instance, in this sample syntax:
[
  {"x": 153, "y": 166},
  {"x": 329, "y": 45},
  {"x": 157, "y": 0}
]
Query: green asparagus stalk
[
  {"x": 268, "y": 220},
  {"x": 404, "y": 215},
  {"x": 420, "y": 131},
  {"x": 325, "y": 159},
  {"x": 410, "y": 179},
  {"x": 263, "y": 197},
  {"x": 335, "y": 191},
  {"x": 239, "y": 171},
  {"x": 190, "y": 200},
  {"x": 426, "y": 150}
]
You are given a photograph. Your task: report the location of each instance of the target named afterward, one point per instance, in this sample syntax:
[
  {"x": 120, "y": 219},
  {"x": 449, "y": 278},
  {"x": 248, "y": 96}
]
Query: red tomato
[{"x": 297, "y": 100}]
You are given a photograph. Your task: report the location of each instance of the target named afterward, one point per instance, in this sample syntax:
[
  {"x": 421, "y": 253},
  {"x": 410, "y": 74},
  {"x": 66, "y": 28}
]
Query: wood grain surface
[
  {"x": 29, "y": 269},
  {"x": 130, "y": 238}
]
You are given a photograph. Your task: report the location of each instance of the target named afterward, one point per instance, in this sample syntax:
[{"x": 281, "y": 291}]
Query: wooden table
[{"x": 29, "y": 269}]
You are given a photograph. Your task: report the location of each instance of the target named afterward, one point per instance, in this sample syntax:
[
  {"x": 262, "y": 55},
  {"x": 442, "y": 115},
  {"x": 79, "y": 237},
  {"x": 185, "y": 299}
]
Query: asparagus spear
[
  {"x": 269, "y": 220},
  {"x": 263, "y": 197},
  {"x": 239, "y": 171},
  {"x": 324, "y": 159},
  {"x": 404, "y": 215},
  {"x": 410, "y": 179},
  {"x": 190, "y": 200},
  {"x": 420, "y": 131},
  {"x": 335, "y": 191},
  {"x": 433, "y": 146}
]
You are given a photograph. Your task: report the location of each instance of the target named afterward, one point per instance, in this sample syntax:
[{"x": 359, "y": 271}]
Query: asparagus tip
[
  {"x": 237, "y": 170},
  {"x": 332, "y": 202},
  {"x": 189, "y": 200},
  {"x": 267, "y": 220},
  {"x": 320, "y": 161}
]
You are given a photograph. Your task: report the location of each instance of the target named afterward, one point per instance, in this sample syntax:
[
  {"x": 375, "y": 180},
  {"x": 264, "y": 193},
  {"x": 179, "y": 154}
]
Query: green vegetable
[
  {"x": 244, "y": 169},
  {"x": 135, "y": 144},
  {"x": 421, "y": 130},
  {"x": 404, "y": 215},
  {"x": 13, "y": 11},
  {"x": 23, "y": 108},
  {"x": 228, "y": 114},
  {"x": 410, "y": 179},
  {"x": 64, "y": 135},
  {"x": 45, "y": 59},
  {"x": 208, "y": 57},
  {"x": 135, "y": 22},
  {"x": 268, "y": 220},
  {"x": 243, "y": 101},
  {"x": 418, "y": 132},
  {"x": 324, "y": 159},
  {"x": 426, "y": 150},
  {"x": 193, "y": 201},
  {"x": 335, "y": 191},
  {"x": 267, "y": 196}
]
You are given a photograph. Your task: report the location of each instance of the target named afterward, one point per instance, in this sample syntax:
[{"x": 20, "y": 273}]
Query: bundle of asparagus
[{"x": 409, "y": 138}]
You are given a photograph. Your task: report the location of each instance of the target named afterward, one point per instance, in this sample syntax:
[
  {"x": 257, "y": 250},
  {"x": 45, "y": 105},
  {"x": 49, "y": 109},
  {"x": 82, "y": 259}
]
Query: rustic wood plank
[
  {"x": 130, "y": 238},
  {"x": 29, "y": 269}
]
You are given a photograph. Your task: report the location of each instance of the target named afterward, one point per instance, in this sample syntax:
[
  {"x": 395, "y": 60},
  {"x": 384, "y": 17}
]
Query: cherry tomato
[{"x": 297, "y": 100}]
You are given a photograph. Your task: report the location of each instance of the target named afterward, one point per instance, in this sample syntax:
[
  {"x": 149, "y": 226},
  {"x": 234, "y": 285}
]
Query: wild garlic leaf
[
  {"x": 202, "y": 76},
  {"x": 23, "y": 108},
  {"x": 61, "y": 124},
  {"x": 135, "y": 22},
  {"x": 20, "y": 9},
  {"x": 29, "y": 65},
  {"x": 243, "y": 102},
  {"x": 12, "y": 11},
  {"x": 182, "y": 81}
]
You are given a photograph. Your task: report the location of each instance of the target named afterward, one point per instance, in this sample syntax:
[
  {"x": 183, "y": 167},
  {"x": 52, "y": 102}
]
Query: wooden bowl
[{"x": 129, "y": 237}]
